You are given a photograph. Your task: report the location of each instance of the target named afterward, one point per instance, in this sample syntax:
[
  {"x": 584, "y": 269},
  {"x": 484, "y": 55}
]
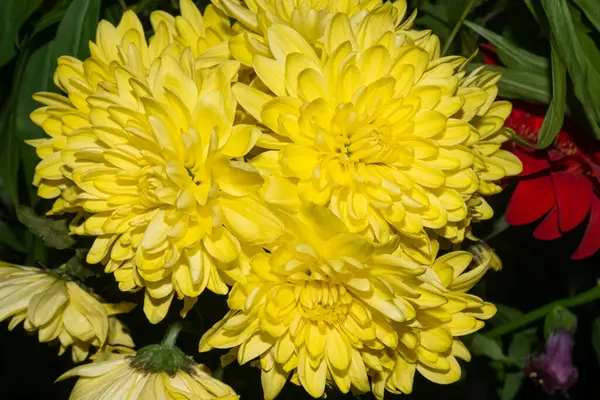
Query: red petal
[
  {"x": 548, "y": 229},
  {"x": 532, "y": 162},
  {"x": 532, "y": 199},
  {"x": 591, "y": 238},
  {"x": 490, "y": 57},
  {"x": 573, "y": 198}
]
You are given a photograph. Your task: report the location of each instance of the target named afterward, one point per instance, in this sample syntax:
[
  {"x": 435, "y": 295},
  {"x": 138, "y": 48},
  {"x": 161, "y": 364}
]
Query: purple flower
[{"x": 554, "y": 369}]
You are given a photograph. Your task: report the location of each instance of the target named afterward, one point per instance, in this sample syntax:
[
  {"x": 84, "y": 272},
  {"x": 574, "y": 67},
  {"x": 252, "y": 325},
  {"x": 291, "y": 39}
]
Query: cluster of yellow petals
[
  {"x": 113, "y": 377},
  {"x": 312, "y": 157},
  {"x": 60, "y": 310},
  {"x": 330, "y": 306},
  {"x": 147, "y": 148},
  {"x": 385, "y": 133},
  {"x": 308, "y": 18}
]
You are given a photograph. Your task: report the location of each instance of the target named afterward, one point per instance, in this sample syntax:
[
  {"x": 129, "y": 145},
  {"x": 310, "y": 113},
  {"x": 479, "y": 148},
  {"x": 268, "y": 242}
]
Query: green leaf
[
  {"x": 14, "y": 14},
  {"x": 591, "y": 10},
  {"x": 77, "y": 267},
  {"x": 580, "y": 56},
  {"x": 35, "y": 79},
  {"x": 54, "y": 16},
  {"x": 9, "y": 237},
  {"x": 512, "y": 55},
  {"x": 506, "y": 314},
  {"x": 521, "y": 344},
  {"x": 438, "y": 26},
  {"x": 54, "y": 233},
  {"x": 512, "y": 384},
  {"x": 596, "y": 337},
  {"x": 76, "y": 29},
  {"x": 555, "y": 115},
  {"x": 72, "y": 36},
  {"x": 9, "y": 155},
  {"x": 482, "y": 345},
  {"x": 112, "y": 14},
  {"x": 517, "y": 84}
]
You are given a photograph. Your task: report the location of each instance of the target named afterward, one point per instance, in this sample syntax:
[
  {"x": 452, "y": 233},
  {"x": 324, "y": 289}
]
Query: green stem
[
  {"x": 457, "y": 27},
  {"x": 582, "y": 298},
  {"x": 141, "y": 6},
  {"x": 171, "y": 335},
  {"x": 531, "y": 7}
]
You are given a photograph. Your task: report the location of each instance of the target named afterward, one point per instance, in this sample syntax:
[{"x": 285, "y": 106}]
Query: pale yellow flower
[
  {"x": 377, "y": 128},
  {"x": 117, "y": 377},
  {"x": 147, "y": 149},
  {"x": 328, "y": 305},
  {"x": 59, "y": 309}
]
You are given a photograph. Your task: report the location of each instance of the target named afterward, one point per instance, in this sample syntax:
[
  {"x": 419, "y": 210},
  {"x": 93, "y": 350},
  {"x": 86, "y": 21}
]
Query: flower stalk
[
  {"x": 457, "y": 27},
  {"x": 172, "y": 333},
  {"x": 582, "y": 298}
]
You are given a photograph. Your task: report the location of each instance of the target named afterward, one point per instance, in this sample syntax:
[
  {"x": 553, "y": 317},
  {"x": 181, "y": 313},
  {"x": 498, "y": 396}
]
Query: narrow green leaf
[
  {"x": 54, "y": 16},
  {"x": 36, "y": 76},
  {"x": 9, "y": 237},
  {"x": 512, "y": 55},
  {"x": 596, "y": 337},
  {"x": 525, "y": 85},
  {"x": 54, "y": 233},
  {"x": 14, "y": 14},
  {"x": 11, "y": 149},
  {"x": 458, "y": 25},
  {"x": 9, "y": 155},
  {"x": 112, "y": 14},
  {"x": 72, "y": 36},
  {"x": 591, "y": 9},
  {"x": 580, "y": 56},
  {"x": 555, "y": 115},
  {"x": 512, "y": 384},
  {"x": 76, "y": 29}
]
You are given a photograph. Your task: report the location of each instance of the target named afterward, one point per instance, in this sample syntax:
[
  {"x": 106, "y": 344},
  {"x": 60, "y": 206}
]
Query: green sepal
[
  {"x": 559, "y": 319},
  {"x": 162, "y": 358}
]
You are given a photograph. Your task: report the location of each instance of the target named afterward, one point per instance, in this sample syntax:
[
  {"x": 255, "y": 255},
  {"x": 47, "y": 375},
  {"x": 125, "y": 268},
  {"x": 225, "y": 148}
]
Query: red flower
[{"x": 559, "y": 183}]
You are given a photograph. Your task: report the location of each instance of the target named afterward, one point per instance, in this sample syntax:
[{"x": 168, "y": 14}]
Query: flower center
[
  {"x": 149, "y": 183},
  {"x": 326, "y": 302},
  {"x": 194, "y": 176},
  {"x": 370, "y": 144}
]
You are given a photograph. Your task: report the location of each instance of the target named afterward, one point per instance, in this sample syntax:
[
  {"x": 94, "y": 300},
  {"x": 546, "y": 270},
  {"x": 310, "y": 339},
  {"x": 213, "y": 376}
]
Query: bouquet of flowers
[{"x": 314, "y": 169}]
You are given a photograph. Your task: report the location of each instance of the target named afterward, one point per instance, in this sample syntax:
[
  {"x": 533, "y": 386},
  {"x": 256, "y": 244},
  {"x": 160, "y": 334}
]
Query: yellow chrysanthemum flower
[
  {"x": 328, "y": 305},
  {"x": 119, "y": 377},
  {"x": 60, "y": 310},
  {"x": 378, "y": 129},
  {"x": 206, "y": 35},
  {"x": 146, "y": 149},
  {"x": 309, "y": 18}
]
